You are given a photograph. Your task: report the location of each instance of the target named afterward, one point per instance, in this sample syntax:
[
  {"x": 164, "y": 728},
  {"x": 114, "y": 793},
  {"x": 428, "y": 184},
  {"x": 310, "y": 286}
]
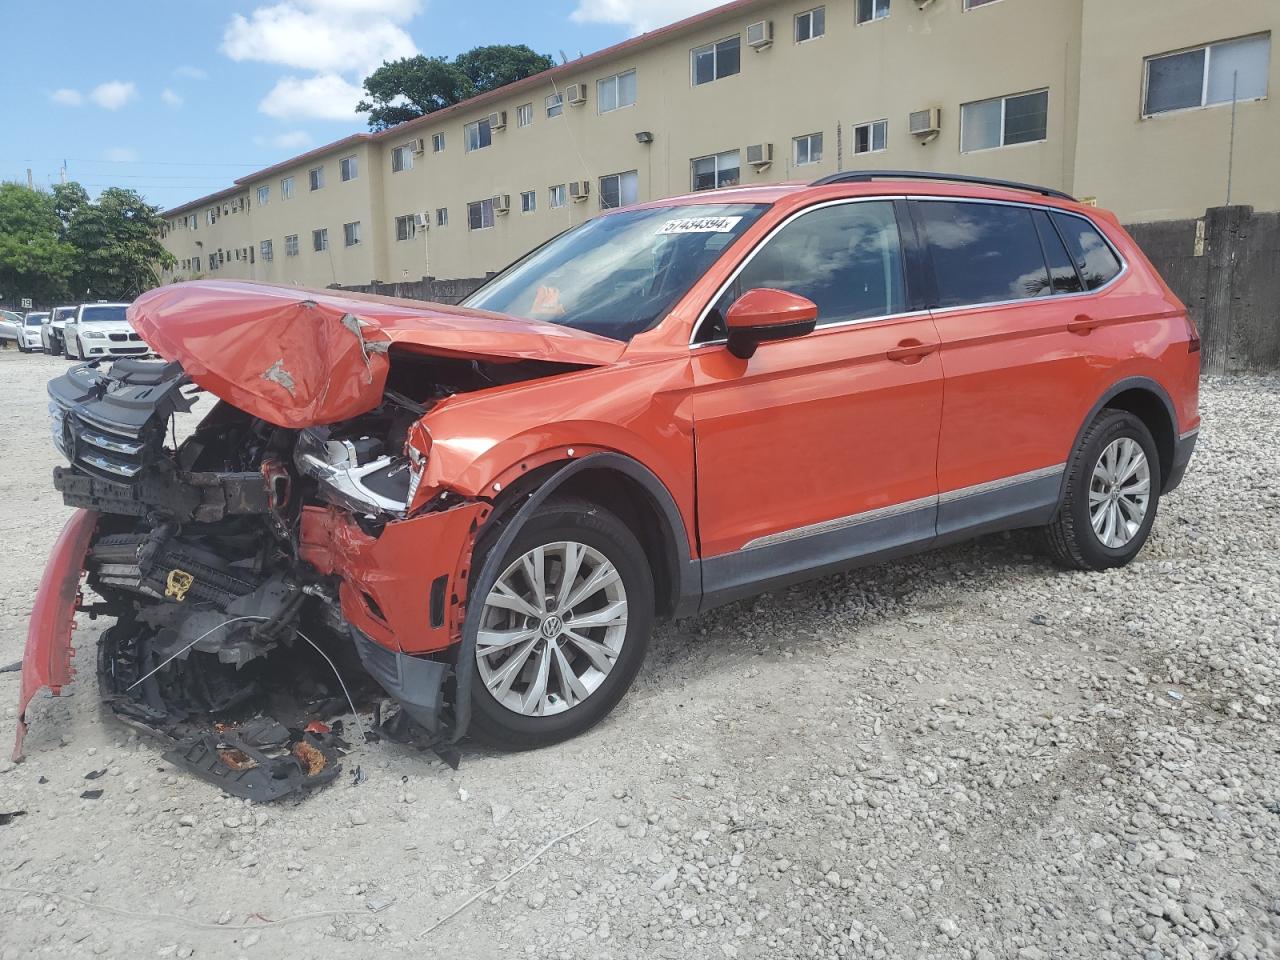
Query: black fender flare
[
  {"x": 686, "y": 571},
  {"x": 1113, "y": 391}
]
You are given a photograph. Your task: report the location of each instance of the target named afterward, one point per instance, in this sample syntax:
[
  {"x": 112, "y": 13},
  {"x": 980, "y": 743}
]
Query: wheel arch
[{"x": 1147, "y": 400}]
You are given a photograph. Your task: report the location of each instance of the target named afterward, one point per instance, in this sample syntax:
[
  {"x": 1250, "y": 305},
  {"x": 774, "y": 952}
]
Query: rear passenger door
[{"x": 1016, "y": 316}]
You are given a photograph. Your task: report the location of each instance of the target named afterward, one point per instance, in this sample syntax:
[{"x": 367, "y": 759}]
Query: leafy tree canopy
[
  {"x": 35, "y": 261},
  {"x": 401, "y": 90}
]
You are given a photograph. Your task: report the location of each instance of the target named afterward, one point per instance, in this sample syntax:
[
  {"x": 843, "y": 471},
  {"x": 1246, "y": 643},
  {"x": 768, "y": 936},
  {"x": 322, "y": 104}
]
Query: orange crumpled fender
[{"x": 46, "y": 662}]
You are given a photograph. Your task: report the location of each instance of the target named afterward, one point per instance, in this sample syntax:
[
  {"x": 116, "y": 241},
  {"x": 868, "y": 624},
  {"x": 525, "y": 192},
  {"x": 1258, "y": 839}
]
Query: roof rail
[{"x": 866, "y": 176}]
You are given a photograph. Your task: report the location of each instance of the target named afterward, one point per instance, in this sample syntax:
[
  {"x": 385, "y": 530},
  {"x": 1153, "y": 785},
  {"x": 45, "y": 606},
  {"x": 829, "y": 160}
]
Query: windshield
[
  {"x": 103, "y": 314},
  {"x": 619, "y": 274},
  {"x": 35, "y": 319},
  {"x": 64, "y": 313}
]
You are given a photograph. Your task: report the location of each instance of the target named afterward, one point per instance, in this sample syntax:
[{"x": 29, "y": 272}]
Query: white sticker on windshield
[{"x": 699, "y": 225}]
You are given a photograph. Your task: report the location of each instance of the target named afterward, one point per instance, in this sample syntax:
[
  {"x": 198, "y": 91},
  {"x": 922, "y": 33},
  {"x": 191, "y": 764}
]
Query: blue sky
[{"x": 176, "y": 99}]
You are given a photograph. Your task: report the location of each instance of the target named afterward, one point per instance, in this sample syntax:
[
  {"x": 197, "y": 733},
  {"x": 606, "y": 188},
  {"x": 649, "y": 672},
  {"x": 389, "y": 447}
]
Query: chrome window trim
[
  {"x": 1120, "y": 258},
  {"x": 1188, "y": 435}
]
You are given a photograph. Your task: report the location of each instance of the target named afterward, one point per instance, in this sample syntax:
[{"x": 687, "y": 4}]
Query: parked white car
[
  {"x": 101, "y": 330},
  {"x": 29, "y": 334},
  {"x": 10, "y": 327},
  {"x": 51, "y": 330}
]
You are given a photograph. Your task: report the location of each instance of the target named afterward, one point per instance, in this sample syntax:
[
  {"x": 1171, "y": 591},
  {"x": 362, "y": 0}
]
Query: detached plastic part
[{"x": 242, "y": 766}]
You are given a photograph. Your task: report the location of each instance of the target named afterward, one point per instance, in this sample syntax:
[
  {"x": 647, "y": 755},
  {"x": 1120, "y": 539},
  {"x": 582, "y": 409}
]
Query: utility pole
[
  {"x": 31, "y": 184},
  {"x": 1231, "y": 146}
]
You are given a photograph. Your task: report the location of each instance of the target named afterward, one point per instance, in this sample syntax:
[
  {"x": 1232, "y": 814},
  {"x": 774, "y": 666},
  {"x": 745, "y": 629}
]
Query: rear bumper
[
  {"x": 46, "y": 662},
  {"x": 1182, "y": 451}
]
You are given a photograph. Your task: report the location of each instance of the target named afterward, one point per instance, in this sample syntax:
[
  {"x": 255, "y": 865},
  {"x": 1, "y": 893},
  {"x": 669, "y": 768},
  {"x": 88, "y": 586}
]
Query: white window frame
[
  {"x": 807, "y": 138},
  {"x": 1204, "y": 79},
  {"x": 437, "y": 142},
  {"x": 287, "y": 188},
  {"x": 795, "y": 26},
  {"x": 442, "y": 216},
  {"x": 876, "y": 15},
  {"x": 402, "y": 155},
  {"x": 524, "y": 115},
  {"x": 622, "y": 201},
  {"x": 870, "y": 127},
  {"x": 477, "y": 125},
  {"x": 528, "y": 201},
  {"x": 1004, "y": 105},
  {"x": 714, "y": 47},
  {"x": 716, "y": 172},
  {"x": 266, "y": 251},
  {"x": 485, "y": 205},
  {"x": 559, "y": 196},
  {"x": 291, "y": 245},
  {"x": 346, "y": 164},
  {"x": 616, "y": 81},
  {"x": 410, "y": 223},
  {"x": 315, "y": 178},
  {"x": 264, "y": 194},
  {"x": 555, "y": 102},
  {"x": 320, "y": 236},
  {"x": 977, "y": 4},
  {"x": 351, "y": 234}
]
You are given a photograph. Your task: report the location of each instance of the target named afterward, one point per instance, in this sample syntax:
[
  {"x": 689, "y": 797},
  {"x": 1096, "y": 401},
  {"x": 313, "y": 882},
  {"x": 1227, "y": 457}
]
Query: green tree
[
  {"x": 35, "y": 260},
  {"x": 401, "y": 90},
  {"x": 117, "y": 242}
]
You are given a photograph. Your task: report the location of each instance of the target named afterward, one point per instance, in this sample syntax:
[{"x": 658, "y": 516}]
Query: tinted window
[
  {"x": 112, "y": 314},
  {"x": 983, "y": 253},
  {"x": 1093, "y": 256},
  {"x": 1061, "y": 269},
  {"x": 847, "y": 259}
]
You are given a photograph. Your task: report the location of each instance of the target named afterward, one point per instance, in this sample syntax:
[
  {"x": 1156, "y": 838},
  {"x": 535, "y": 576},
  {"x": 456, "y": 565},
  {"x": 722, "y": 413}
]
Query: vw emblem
[{"x": 552, "y": 626}]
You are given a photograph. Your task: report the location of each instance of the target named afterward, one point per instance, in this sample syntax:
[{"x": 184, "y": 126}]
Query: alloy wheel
[
  {"x": 1119, "y": 492},
  {"x": 552, "y": 628}
]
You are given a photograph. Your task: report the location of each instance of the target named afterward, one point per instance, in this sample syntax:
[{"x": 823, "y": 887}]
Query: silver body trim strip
[
  {"x": 1188, "y": 435},
  {"x": 897, "y": 509}
]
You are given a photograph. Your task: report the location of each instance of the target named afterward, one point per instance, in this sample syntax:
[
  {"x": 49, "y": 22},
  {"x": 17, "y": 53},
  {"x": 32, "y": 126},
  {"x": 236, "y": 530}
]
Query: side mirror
[{"x": 765, "y": 314}]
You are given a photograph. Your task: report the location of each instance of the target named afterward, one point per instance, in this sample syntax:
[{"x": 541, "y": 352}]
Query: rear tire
[
  {"x": 1113, "y": 491},
  {"x": 563, "y": 534}
]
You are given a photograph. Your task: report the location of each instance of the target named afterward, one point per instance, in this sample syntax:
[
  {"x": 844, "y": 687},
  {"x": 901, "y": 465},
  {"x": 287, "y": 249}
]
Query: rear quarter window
[{"x": 1093, "y": 256}]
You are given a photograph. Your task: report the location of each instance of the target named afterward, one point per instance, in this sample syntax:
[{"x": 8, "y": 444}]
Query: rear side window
[
  {"x": 1093, "y": 256},
  {"x": 983, "y": 253},
  {"x": 845, "y": 258},
  {"x": 1061, "y": 270}
]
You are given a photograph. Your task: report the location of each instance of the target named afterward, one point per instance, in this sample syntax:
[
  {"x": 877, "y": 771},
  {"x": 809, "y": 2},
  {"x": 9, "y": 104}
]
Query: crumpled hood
[{"x": 299, "y": 358}]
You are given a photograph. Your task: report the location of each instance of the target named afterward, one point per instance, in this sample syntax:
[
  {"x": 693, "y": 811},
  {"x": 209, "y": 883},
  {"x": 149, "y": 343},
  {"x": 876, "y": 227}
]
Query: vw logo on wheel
[{"x": 552, "y": 626}]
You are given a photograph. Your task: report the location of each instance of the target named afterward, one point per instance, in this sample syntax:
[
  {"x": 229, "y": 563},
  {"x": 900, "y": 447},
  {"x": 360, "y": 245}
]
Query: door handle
[
  {"x": 911, "y": 351},
  {"x": 1082, "y": 324}
]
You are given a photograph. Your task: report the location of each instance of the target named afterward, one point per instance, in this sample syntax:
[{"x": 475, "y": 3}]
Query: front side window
[
  {"x": 528, "y": 202},
  {"x": 264, "y": 248},
  {"x": 320, "y": 239},
  {"x": 405, "y": 227},
  {"x": 315, "y": 177},
  {"x": 555, "y": 104},
  {"x": 559, "y": 196},
  {"x": 442, "y": 216},
  {"x": 983, "y": 252},
  {"x": 613, "y": 93},
  {"x": 619, "y": 190},
  {"x": 1208, "y": 75},
  {"x": 524, "y": 114},
  {"x": 286, "y": 188},
  {"x": 808, "y": 149},
  {"x": 264, "y": 196},
  {"x": 1004, "y": 121},
  {"x": 869, "y": 10},
  {"x": 348, "y": 168},
  {"x": 480, "y": 215},
  {"x": 811, "y": 24},
  {"x": 479, "y": 134},
  {"x": 717, "y": 60},
  {"x": 402, "y": 158},
  {"x": 291, "y": 245},
  {"x": 871, "y": 137},
  {"x": 1094, "y": 259},
  {"x": 846, "y": 258},
  {"x": 351, "y": 233},
  {"x": 620, "y": 274},
  {"x": 718, "y": 170}
]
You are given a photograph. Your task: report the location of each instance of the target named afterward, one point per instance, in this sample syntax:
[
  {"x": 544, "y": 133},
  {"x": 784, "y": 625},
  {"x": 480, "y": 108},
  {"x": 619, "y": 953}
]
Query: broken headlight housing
[{"x": 354, "y": 473}]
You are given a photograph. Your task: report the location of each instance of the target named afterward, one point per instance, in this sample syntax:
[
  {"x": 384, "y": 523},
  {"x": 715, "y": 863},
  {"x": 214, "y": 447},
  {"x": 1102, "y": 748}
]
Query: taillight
[{"x": 1193, "y": 335}]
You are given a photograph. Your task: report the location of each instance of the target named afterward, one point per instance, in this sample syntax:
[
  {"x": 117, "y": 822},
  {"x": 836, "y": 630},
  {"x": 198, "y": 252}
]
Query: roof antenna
[{"x": 563, "y": 58}]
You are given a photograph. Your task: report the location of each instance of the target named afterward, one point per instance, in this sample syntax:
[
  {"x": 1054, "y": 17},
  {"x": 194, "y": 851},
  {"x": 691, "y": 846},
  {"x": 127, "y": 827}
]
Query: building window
[
  {"x": 1207, "y": 75},
  {"x": 619, "y": 189},
  {"x": 437, "y": 143},
  {"x": 717, "y": 60},
  {"x": 351, "y": 233},
  {"x": 719, "y": 170},
  {"x": 442, "y": 216},
  {"x": 971, "y": 4},
  {"x": 286, "y": 188},
  {"x": 320, "y": 239},
  {"x": 559, "y": 197},
  {"x": 871, "y": 137},
  {"x": 480, "y": 215},
  {"x": 265, "y": 249},
  {"x": 315, "y": 177},
  {"x": 195, "y": 264},
  {"x": 613, "y": 93},
  {"x": 811, "y": 24},
  {"x": 406, "y": 228},
  {"x": 402, "y": 158},
  {"x": 524, "y": 114},
  {"x": 211, "y": 215},
  {"x": 291, "y": 245},
  {"x": 264, "y": 196},
  {"x": 348, "y": 168},
  {"x": 808, "y": 149},
  {"x": 1004, "y": 121},
  {"x": 869, "y": 10},
  {"x": 528, "y": 202},
  {"x": 479, "y": 135},
  {"x": 555, "y": 105}
]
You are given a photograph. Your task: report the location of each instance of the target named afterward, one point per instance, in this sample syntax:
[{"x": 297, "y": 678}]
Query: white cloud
[
  {"x": 320, "y": 35},
  {"x": 188, "y": 72},
  {"x": 171, "y": 98},
  {"x": 67, "y": 97},
  {"x": 288, "y": 140},
  {"x": 639, "y": 15},
  {"x": 113, "y": 94},
  {"x": 325, "y": 96},
  {"x": 120, "y": 155}
]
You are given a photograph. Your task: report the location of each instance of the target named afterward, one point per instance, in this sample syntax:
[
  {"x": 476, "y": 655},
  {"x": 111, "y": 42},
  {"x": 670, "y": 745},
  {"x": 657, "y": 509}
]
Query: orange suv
[{"x": 666, "y": 408}]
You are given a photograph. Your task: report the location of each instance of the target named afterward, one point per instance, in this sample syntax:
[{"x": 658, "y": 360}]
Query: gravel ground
[{"x": 969, "y": 754}]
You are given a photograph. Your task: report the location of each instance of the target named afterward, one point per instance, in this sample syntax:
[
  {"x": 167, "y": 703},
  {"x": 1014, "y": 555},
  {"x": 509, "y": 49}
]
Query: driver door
[{"x": 822, "y": 449}]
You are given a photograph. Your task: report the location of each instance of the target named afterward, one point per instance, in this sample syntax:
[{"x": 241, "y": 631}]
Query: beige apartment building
[{"x": 1149, "y": 106}]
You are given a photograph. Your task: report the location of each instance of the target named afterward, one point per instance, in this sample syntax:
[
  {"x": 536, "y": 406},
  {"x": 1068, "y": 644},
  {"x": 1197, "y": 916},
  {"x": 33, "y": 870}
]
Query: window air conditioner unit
[
  {"x": 760, "y": 34},
  {"x": 760, "y": 155},
  {"x": 497, "y": 120},
  {"x": 502, "y": 203},
  {"x": 418, "y": 146},
  {"x": 580, "y": 189},
  {"x": 422, "y": 221},
  {"x": 925, "y": 123},
  {"x": 576, "y": 93}
]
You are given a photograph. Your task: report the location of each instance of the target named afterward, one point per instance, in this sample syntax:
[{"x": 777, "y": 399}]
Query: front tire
[
  {"x": 564, "y": 630},
  {"x": 55, "y": 346},
  {"x": 1113, "y": 491}
]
